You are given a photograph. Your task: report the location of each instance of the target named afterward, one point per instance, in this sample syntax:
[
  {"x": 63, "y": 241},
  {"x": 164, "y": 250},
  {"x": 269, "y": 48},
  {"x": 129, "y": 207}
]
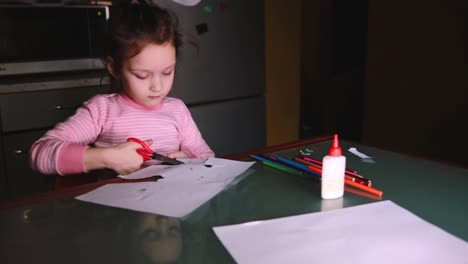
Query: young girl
[{"x": 141, "y": 59}]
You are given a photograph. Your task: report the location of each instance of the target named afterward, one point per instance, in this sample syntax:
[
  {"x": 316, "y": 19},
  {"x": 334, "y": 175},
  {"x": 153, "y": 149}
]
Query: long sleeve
[
  {"x": 109, "y": 120},
  {"x": 61, "y": 149},
  {"x": 191, "y": 140}
]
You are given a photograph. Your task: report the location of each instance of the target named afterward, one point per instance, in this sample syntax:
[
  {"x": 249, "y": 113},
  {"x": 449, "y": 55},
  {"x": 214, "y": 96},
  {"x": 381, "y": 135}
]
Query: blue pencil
[
  {"x": 276, "y": 164},
  {"x": 296, "y": 165}
]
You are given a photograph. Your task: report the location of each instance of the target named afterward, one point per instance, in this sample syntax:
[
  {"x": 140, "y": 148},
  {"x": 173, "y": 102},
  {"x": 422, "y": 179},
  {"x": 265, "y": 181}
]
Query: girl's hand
[
  {"x": 178, "y": 155},
  {"x": 122, "y": 158}
]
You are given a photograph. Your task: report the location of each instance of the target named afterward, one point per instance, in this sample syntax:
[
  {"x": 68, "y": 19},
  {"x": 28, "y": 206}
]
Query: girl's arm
[
  {"x": 62, "y": 149},
  {"x": 192, "y": 142}
]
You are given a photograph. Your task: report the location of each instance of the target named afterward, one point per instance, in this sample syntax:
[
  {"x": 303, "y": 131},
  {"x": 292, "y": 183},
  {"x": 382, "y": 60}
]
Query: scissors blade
[{"x": 165, "y": 159}]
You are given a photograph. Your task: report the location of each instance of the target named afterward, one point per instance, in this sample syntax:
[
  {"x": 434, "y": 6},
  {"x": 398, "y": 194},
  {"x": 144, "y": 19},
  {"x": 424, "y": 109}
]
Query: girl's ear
[{"x": 111, "y": 67}]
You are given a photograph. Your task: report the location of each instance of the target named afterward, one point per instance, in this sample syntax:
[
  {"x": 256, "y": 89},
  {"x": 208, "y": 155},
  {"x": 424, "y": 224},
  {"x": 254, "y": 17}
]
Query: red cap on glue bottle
[{"x": 335, "y": 149}]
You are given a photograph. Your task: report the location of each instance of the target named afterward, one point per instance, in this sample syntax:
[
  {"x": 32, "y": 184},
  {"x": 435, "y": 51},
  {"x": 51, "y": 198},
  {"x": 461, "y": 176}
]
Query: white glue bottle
[{"x": 333, "y": 171}]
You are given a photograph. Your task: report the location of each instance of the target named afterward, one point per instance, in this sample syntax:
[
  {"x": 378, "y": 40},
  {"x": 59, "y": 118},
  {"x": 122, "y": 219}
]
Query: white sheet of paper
[
  {"x": 147, "y": 172},
  {"x": 380, "y": 232},
  {"x": 158, "y": 169},
  {"x": 184, "y": 187}
]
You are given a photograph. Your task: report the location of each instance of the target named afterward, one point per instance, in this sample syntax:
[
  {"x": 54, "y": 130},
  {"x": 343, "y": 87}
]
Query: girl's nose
[{"x": 156, "y": 84}]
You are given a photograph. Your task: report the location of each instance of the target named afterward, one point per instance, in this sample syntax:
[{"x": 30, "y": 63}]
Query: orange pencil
[
  {"x": 364, "y": 188},
  {"x": 354, "y": 176},
  {"x": 315, "y": 169},
  {"x": 308, "y": 163},
  {"x": 319, "y": 170},
  {"x": 349, "y": 177},
  {"x": 362, "y": 193}
]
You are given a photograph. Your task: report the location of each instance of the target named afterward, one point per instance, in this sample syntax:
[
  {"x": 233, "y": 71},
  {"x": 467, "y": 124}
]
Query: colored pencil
[
  {"x": 318, "y": 168},
  {"x": 319, "y": 163},
  {"x": 282, "y": 168},
  {"x": 364, "y": 188},
  {"x": 296, "y": 165},
  {"x": 276, "y": 165},
  {"x": 265, "y": 157},
  {"x": 299, "y": 168}
]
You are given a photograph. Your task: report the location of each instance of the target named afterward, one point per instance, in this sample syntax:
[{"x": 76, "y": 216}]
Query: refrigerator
[{"x": 222, "y": 77}]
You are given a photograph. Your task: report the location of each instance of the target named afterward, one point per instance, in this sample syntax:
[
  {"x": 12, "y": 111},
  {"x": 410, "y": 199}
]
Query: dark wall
[
  {"x": 417, "y": 78},
  {"x": 333, "y": 67},
  {"x": 392, "y": 74}
]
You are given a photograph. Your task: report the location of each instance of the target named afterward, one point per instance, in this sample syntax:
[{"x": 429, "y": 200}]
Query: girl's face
[
  {"x": 159, "y": 238},
  {"x": 148, "y": 76}
]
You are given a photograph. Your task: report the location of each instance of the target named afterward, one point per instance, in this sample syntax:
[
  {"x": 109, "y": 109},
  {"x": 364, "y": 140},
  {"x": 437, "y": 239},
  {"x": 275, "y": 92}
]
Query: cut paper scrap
[
  {"x": 363, "y": 156},
  {"x": 187, "y": 2},
  {"x": 184, "y": 187},
  {"x": 391, "y": 234},
  {"x": 359, "y": 154}
]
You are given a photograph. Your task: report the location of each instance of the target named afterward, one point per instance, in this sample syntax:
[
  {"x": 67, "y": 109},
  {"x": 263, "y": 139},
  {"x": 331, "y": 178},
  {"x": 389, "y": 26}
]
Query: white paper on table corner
[
  {"x": 379, "y": 232},
  {"x": 170, "y": 199},
  {"x": 358, "y": 153},
  {"x": 184, "y": 188}
]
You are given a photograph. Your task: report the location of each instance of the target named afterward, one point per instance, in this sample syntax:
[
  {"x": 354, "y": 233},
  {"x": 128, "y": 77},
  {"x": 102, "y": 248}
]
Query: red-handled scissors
[{"x": 148, "y": 154}]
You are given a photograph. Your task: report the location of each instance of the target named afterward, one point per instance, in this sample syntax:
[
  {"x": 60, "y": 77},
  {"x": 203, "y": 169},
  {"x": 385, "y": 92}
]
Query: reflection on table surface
[
  {"x": 71, "y": 231},
  {"x": 66, "y": 230}
]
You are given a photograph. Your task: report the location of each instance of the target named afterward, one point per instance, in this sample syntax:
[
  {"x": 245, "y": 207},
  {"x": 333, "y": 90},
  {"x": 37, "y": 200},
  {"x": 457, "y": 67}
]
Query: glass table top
[{"x": 72, "y": 231}]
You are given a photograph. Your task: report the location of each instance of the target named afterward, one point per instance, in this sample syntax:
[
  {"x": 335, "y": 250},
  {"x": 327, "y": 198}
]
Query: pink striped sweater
[{"x": 107, "y": 120}]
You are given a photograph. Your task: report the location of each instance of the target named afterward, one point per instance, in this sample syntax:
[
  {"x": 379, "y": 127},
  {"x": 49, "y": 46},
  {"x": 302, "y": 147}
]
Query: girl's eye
[
  {"x": 141, "y": 77},
  {"x": 167, "y": 73}
]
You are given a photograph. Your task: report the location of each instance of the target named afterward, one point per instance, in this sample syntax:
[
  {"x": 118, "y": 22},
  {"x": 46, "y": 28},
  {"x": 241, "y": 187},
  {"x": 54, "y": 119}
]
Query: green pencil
[{"x": 280, "y": 167}]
